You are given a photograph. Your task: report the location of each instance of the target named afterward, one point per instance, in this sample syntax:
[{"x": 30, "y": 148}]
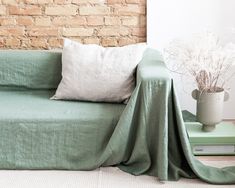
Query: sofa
[{"x": 144, "y": 136}]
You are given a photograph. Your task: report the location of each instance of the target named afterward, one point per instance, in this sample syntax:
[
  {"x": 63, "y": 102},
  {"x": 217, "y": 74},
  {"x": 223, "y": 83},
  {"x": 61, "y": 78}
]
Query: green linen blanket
[{"x": 146, "y": 136}]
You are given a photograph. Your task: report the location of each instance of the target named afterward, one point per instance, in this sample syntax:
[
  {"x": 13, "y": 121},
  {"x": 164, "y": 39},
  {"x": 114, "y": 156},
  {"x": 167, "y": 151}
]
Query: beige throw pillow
[{"x": 94, "y": 73}]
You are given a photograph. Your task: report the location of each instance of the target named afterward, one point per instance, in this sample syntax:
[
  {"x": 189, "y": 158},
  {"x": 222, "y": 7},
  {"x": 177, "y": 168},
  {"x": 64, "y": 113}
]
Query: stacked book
[{"x": 221, "y": 141}]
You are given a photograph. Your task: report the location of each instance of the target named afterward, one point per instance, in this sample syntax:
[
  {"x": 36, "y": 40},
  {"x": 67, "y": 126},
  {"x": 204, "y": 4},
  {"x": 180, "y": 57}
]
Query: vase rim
[{"x": 217, "y": 90}]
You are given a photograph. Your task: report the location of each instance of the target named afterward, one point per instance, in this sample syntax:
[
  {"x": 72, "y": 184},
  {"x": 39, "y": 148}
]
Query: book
[{"x": 221, "y": 141}]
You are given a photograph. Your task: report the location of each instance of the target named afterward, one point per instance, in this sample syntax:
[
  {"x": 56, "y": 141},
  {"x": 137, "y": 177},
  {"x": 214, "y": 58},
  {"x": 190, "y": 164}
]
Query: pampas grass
[{"x": 204, "y": 58}]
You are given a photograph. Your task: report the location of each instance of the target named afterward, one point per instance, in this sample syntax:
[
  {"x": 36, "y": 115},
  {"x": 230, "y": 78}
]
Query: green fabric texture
[
  {"x": 30, "y": 69},
  {"x": 146, "y": 136}
]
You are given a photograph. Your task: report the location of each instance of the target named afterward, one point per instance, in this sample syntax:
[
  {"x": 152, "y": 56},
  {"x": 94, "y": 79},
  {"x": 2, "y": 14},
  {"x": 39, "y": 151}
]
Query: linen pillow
[{"x": 94, "y": 73}]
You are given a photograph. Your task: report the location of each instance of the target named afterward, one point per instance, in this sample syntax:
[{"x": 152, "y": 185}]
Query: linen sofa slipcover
[{"x": 146, "y": 136}]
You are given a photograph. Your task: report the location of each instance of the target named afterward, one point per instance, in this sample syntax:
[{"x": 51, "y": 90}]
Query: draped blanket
[
  {"x": 155, "y": 134},
  {"x": 146, "y": 136}
]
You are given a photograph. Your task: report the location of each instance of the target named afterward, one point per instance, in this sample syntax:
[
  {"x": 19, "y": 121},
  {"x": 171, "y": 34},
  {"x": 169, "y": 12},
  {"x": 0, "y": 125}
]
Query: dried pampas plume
[{"x": 204, "y": 58}]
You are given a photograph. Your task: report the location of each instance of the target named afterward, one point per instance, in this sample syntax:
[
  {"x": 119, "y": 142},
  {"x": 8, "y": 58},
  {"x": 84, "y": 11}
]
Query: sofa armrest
[
  {"x": 152, "y": 68},
  {"x": 153, "y": 92}
]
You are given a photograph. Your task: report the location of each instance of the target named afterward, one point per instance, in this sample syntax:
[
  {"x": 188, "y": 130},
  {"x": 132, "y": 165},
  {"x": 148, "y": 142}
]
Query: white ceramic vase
[{"x": 210, "y": 107}]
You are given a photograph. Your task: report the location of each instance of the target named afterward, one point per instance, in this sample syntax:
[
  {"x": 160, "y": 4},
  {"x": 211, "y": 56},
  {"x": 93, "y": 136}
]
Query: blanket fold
[{"x": 161, "y": 148}]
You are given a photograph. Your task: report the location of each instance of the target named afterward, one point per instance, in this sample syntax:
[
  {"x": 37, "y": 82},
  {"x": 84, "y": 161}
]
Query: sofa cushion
[
  {"x": 31, "y": 68},
  {"x": 93, "y": 73},
  {"x": 39, "y": 133},
  {"x": 19, "y": 106}
]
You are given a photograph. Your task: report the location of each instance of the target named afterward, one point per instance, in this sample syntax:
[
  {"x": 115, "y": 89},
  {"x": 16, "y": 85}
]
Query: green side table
[{"x": 221, "y": 141}]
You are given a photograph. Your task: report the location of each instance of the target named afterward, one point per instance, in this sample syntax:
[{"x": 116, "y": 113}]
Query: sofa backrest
[{"x": 30, "y": 69}]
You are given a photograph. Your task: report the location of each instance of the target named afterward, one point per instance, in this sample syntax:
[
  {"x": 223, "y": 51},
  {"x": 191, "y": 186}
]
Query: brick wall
[{"x": 41, "y": 24}]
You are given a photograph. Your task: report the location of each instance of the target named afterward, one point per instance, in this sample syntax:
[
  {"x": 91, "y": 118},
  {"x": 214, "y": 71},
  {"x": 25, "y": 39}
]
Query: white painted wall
[{"x": 168, "y": 19}]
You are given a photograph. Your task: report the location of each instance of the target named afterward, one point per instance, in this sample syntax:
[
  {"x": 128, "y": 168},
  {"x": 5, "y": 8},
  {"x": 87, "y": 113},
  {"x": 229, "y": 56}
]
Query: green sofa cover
[{"x": 146, "y": 136}]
